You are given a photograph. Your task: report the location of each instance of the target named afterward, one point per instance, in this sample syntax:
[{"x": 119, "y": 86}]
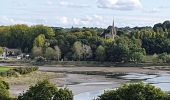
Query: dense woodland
[{"x": 87, "y": 44}]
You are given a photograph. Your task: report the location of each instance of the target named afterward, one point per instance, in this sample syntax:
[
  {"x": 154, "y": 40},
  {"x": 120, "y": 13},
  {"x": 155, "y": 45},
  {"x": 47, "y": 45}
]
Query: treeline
[{"x": 130, "y": 44}]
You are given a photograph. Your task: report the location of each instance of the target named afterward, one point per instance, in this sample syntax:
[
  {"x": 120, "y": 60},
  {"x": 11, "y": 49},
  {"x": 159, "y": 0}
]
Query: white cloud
[
  {"x": 63, "y": 20},
  {"x": 71, "y": 4},
  {"x": 87, "y": 21},
  {"x": 120, "y": 4}
]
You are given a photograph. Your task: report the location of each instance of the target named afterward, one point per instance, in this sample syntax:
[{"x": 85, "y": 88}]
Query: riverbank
[{"x": 84, "y": 79}]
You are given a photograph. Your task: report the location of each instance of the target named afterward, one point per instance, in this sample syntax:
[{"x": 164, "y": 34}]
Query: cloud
[
  {"x": 63, "y": 20},
  {"x": 120, "y": 4},
  {"x": 87, "y": 21},
  {"x": 71, "y": 4}
]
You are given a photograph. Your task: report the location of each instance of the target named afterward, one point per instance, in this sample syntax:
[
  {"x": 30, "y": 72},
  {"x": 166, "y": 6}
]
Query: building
[{"x": 110, "y": 32}]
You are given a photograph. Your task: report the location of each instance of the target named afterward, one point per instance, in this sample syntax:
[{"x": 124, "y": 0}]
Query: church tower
[{"x": 113, "y": 31}]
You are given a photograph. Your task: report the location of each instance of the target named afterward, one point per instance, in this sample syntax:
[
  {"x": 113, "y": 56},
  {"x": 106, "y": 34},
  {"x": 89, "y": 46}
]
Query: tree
[
  {"x": 57, "y": 52},
  {"x": 137, "y": 57},
  {"x": 78, "y": 50},
  {"x": 50, "y": 53},
  {"x": 87, "y": 52},
  {"x": 118, "y": 53},
  {"x": 100, "y": 53},
  {"x": 37, "y": 51},
  {"x": 163, "y": 57},
  {"x": 40, "y": 29},
  {"x": 63, "y": 94},
  {"x": 40, "y": 41},
  {"x": 46, "y": 91},
  {"x": 136, "y": 91},
  {"x": 1, "y": 50}
]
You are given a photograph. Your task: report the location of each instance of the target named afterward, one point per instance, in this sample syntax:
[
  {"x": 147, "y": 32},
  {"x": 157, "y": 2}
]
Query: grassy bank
[
  {"x": 32, "y": 78},
  {"x": 4, "y": 69}
]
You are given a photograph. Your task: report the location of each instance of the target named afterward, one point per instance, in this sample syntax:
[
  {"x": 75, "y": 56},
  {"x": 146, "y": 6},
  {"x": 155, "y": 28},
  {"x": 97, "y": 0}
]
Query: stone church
[{"x": 110, "y": 32}]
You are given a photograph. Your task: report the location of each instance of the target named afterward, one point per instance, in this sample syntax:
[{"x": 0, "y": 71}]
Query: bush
[
  {"x": 46, "y": 91},
  {"x": 8, "y": 73},
  {"x": 4, "y": 93},
  {"x": 138, "y": 91},
  {"x": 25, "y": 70},
  {"x": 20, "y": 70},
  {"x": 63, "y": 94}
]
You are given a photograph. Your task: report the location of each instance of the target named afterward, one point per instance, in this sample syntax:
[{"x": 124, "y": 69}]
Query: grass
[
  {"x": 4, "y": 69},
  {"x": 32, "y": 78}
]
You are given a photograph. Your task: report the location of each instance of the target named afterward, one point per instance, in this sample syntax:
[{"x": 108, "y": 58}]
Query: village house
[{"x": 10, "y": 53}]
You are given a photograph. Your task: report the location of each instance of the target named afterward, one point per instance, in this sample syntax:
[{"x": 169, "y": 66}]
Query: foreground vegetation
[
  {"x": 138, "y": 91},
  {"x": 44, "y": 90},
  {"x": 4, "y": 69},
  {"x": 41, "y": 91},
  {"x": 9, "y": 72},
  {"x": 88, "y": 44}
]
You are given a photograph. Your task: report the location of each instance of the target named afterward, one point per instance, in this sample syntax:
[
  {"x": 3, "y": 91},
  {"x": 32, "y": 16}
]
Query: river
[{"x": 159, "y": 80}]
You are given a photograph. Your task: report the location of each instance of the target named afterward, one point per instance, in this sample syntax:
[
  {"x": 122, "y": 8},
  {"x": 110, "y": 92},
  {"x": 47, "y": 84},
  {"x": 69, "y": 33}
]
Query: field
[{"x": 4, "y": 69}]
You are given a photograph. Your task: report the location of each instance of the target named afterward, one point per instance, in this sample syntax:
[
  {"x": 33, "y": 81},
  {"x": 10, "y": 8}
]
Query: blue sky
[{"x": 88, "y": 13}]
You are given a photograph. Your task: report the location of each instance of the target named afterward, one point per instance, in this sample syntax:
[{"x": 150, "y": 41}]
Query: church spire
[{"x": 113, "y": 30}]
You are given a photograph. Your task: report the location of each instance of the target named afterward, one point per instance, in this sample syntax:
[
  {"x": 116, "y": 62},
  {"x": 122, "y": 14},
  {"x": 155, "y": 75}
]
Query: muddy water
[{"x": 160, "y": 80}]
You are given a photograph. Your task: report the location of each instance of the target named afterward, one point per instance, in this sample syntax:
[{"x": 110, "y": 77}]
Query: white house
[{"x": 3, "y": 56}]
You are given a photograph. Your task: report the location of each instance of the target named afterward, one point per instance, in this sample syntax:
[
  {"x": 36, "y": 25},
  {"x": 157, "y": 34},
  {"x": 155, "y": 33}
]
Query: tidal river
[{"x": 159, "y": 80}]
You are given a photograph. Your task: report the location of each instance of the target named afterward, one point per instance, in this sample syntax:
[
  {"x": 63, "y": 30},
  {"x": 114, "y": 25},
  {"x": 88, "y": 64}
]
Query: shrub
[
  {"x": 25, "y": 70},
  {"x": 4, "y": 93},
  {"x": 8, "y": 73},
  {"x": 46, "y": 91},
  {"x": 63, "y": 94},
  {"x": 20, "y": 70},
  {"x": 138, "y": 91}
]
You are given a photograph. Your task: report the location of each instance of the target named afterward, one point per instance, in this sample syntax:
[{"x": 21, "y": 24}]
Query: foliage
[
  {"x": 46, "y": 91},
  {"x": 163, "y": 57},
  {"x": 137, "y": 57},
  {"x": 21, "y": 70},
  {"x": 37, "y": 51},
  {"x": 78, "y": 50},
  {"x": 63, "y": 94},
  {"x": 25, "y": 70},
  {"x": 1, "y": 50},
  {"x": 100, "y": 53},
  {"x": 57, "y": 52},
  {"x": 8, "y": 73},
  {"x": 137, "y": 91},
  {"x": 4, "y": 93},
  {"x": 50, "y": 53},
  {"x": 40, "y": 41},
  {"x": 130, "y": 44}
]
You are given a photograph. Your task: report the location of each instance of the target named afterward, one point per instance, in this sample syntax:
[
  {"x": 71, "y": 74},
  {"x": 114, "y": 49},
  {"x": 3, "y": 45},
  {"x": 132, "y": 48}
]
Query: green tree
[
  {"x": 63, "y": 94},
  {"x": 163, "y": 57},
  {"x": 135, "y": 91},
  {"x": 1, "y": 50},
  {"x": 87, "y": 52},
  {"x": 137, "y": 57},
  {"x": 100, "y": 53},
  {"x": 40, "y": 41},
  {"x": 46, "y": 91},
  {"x": 50, "y": 53},
  {"x": 57, "y": 52},
  {"x": 78, "y": 50},
  {"x": 37, "y": 51},
  {"x": 40, "y": 29}
]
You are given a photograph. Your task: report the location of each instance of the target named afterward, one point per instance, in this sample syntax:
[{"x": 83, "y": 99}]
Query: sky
[{"x": 84, "y": 13}]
